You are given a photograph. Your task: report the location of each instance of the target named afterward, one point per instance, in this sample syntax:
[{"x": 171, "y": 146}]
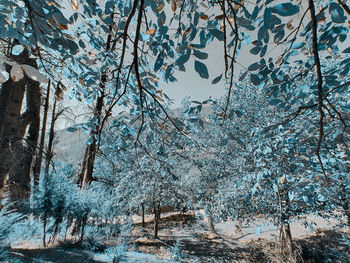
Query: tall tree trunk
[
  {"x": 143, "y": 214},
  {"x": 11, "y": 99},
  {"x": 285, "y": 235},
  {"x": 83, "y": 224},
  {"x": 49, "y": 153},
  {"x": 20, "y": 175},
  {"x": 156, "y": 211},
  {"x": 44, "y": 230},
  {"x": 211, "y": 224},
  {"x": 38, "y": 160},
  {"x": 16, "y": 158},
  {"x": 85, "y": 176}
]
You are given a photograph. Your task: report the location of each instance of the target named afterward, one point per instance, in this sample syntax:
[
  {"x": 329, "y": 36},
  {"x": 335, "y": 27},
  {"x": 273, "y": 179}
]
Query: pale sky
[{"x": 191, "y": 84}]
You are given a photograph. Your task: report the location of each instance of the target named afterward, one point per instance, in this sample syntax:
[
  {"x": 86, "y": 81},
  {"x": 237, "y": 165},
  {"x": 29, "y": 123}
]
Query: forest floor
[{"x": 186, "y": 238}]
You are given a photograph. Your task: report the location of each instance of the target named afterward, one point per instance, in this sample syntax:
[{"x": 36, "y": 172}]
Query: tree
[
  {"x": 256, "y": 161},
  {"x": 15, "y": 123},
  {"x": 147, "y": 176},
  {"x": 125, "y": 47},
  {"x": 27, "y": 29}
]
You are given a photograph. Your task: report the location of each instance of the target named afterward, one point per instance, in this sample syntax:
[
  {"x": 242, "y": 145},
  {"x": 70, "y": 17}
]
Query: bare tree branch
[{"x": 319, "y": 84}]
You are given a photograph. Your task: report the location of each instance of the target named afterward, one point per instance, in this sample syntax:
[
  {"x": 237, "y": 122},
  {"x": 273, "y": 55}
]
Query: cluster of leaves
[
  {"x": 250, "y": 156},
  {"x": 150, "y": 174},
  {"x": 260, "y": 159}
]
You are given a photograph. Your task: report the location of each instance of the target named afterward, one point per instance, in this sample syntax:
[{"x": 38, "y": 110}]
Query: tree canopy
[{"x": 276, "y": 144}]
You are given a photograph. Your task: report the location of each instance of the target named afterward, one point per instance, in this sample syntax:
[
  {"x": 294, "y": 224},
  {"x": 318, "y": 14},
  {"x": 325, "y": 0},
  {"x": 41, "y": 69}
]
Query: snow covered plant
[
  {"x": 144, "y": 177},
  {"x": 63, "y": 207},
  {"x": 8, "y": 221}
]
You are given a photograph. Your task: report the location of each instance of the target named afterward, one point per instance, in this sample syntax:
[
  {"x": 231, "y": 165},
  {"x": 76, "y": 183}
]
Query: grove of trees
[{"x": 277, "y": 144}]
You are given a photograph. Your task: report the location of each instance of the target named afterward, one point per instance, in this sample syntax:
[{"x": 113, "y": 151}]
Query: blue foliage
[
  {"x": 285, "y": 9},
  {"x": 201, "y": 69}
]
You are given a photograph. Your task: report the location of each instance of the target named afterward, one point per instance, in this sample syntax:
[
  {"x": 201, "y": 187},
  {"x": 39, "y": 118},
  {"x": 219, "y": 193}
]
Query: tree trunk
[
  {"x": 44, "y": 231},
  {"x": 285, "y": 235},
  {"x": 211, "y": 224},
  {"x": 49, "y": 153},
  {"x": 20, "y": 175},
  {"x": 16, "y": 158},
  {"x": 38, "y": 160},
  {"x": 159, "y": 212},
  {"x": 11, "y": 98},
  {"x": 156, "y": 210},
  {"x": 84, "y": 220},
  {"x": 85, "y": 176},
  {"x": 143, "y": 214}
]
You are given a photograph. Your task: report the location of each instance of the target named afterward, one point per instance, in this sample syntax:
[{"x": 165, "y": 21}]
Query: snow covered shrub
[
  {"x": 8, "y": 221},
  {"x": 58, "y": 199}
]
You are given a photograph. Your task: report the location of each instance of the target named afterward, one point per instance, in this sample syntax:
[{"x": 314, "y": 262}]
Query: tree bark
[
  {"x": 85, "y": 176},
  {"x": 44, "y": 230},
  {"x": 17, "y": 158},
  {"x": 143, "y": 214},
  {"x": 11, "y": 94},
  {"x": 49, "y": 153},
  {"x": 38, "y": 160},
  {"x": 157, "y": 211},
  {"x": 211, "y": 224},
  {"x": 84, "y": 220},
  {"x": 20, "y": 175},
  {"x": 11, "y": 99},
  {"x": 285, "y": 235}
]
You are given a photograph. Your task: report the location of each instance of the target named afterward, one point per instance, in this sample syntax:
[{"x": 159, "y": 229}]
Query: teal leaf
[
  {"x": 254, "y": 66},
  {"x": 159, "y": 62},
  {"x": 306, "y": 199},
  {"x": 81, "y": 44},
  {"x": 201, "y": 69},
  {"x": 274, "y": 102},
  {"x": 200, "y": 55},
  {"x": 285, "y": 9},
  {"x": 298, "y": 45},
  {"x": 337, "y": 13},
  {"x": 347, "y": 50},
  {"x": 217, "y": 79},
  {"x": 71, "y": 129},
  {"x": 90, "y": 140},
  {"x": 184, "y": 58},
  {"x": 254, "y": 78},
  {"x": 255, "y": 12},
  {"x": 109, "y": 7},
  {"x": 18, "y": 49},
  {"x": 218, "y": 34},
  {"x": 263, "y": 51},
  {"x": 261, "y": 33},
  {"x": 255, "y": 50},
  {"x": 267, "y": 16}
]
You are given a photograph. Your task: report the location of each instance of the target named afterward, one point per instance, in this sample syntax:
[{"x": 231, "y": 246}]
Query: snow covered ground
[
  {"x": 261, "y": 228},
  {"x": 194, "y": 238}
]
